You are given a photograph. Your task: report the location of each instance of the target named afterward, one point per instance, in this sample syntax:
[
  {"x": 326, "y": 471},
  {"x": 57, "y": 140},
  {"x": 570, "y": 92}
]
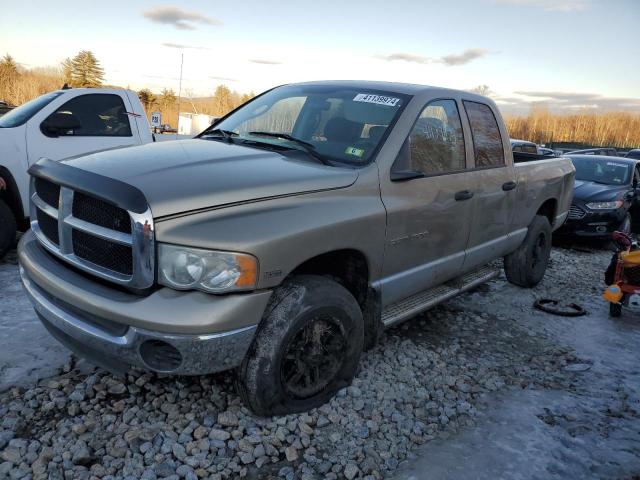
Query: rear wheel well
[
  {"x": 548, "y": 209},
  {"x": 350, "y": 268}
]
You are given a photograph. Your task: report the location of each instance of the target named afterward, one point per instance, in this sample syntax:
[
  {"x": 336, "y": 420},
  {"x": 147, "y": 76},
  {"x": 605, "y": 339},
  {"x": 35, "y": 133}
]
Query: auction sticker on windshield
[{"x": 378, "y": 99}]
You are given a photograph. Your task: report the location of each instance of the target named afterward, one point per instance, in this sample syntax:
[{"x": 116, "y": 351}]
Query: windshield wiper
[
  {"x": 310, "y": 148},
  {"x": 218, "y": 132}
]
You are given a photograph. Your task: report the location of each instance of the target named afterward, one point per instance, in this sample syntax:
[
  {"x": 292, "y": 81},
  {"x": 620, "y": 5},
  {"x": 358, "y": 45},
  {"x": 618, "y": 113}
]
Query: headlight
[
  {"x": 605, "y": 205},
  {"x": 186, "y": 268}
]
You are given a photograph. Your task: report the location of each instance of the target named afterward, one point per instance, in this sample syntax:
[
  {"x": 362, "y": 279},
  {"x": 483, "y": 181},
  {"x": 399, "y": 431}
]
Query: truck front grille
[
  {"x": 113, "y": 256},
  {"x": 49, "y": 227},
  {"x": 98, "y": 212},
  {"x": 48, "y": 192},
  {"x": 93, "y": 234},
  {"x": 576, "y": 213}
]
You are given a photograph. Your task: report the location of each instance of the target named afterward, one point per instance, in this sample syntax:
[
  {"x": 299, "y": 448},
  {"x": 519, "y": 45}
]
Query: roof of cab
[{"x": 397, "y": 87}]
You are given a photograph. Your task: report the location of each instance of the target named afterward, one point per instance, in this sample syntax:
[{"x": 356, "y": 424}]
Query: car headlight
[
  {"x": 186, "y": 268},
  {"x": 605, "y": 205}
]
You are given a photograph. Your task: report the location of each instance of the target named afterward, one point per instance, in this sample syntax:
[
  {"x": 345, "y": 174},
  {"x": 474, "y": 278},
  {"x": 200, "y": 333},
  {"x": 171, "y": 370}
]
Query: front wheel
[
  {"x": 526, "y": 266},
  {"x": 306, "y": 348}
]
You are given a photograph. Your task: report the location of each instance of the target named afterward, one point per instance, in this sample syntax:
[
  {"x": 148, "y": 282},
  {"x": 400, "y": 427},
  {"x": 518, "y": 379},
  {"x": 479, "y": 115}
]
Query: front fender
[{"x": 283, "y": 233}]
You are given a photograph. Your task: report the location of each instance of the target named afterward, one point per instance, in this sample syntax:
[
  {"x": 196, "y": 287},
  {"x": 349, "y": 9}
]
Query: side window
[
  {"x": 487, "y": 142},
  {"x": 91, "y": 115},
  {"x": 436, "y": 142}
]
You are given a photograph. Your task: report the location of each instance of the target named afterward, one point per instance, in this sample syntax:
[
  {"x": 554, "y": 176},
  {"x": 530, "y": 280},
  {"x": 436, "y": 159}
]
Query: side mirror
[
  {"x": 59, "y": 123},
  {"x": 631, "y": 195}
]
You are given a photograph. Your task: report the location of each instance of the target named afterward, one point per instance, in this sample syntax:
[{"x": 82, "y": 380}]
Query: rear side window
[
  {"x": 437, "y": 140},
  {"x": 93, "y": 115},
  {"x": 487, "y": 142}
]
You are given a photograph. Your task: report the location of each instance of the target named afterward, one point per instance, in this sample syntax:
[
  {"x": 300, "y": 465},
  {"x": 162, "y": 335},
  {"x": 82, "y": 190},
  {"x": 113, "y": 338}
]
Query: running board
[{"x": 422, "y": 301}]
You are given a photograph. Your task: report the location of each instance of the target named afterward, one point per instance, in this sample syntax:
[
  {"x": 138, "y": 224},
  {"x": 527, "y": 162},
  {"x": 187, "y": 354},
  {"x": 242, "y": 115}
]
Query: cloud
[
  {"x": 465, "y": 57},
  {"x": 550, "y": 5},
  {"x": 265, "y": 62},
  {"x": 566, "y": 102},
  {"x": 406, "y": 57},
  {"x": 183, "y": 47},
  {"x": 181, "y": 19},
  {"x": 449, "y": 60},
  {"x": 224, "y": 79}
]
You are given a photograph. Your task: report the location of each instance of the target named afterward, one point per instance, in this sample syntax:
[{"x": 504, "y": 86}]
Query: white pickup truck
[{"x": 57, "y": 125}]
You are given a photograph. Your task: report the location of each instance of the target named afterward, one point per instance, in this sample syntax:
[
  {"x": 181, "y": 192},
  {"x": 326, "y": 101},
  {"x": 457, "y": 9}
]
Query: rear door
[
  {"x": 494, "y": 186},
  {"x": 428, "y": 202},
  {"x": 103, "y": 122}
]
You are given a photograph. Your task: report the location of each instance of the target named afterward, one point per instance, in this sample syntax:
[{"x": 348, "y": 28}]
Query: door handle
[
  {"x": 463, "y": 195},
  {"x": 508, "y": 186}
]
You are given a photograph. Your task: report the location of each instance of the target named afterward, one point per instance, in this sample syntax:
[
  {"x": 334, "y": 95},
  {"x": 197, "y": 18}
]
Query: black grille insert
[
  {"x": 48, "y": 226},
  {"x": 47, "y": 191},
  {"x": 98, "y": 212},
  {"x": 104, "y": 253}
]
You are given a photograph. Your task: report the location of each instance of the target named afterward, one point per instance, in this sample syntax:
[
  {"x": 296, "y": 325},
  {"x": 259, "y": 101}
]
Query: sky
[{"x": 565, "y": 54}]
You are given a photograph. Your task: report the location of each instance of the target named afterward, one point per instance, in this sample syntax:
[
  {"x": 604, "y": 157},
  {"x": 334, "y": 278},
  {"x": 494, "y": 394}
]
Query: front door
[
  {"x": 96, "y": 121},
  {"x": 429, "y": 204}
]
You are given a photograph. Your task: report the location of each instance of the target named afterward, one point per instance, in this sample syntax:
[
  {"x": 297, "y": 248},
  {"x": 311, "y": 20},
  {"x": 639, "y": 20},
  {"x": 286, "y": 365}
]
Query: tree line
[
  {"x": 221, "y": 102},
  {"x": 608, "y": 129},
  {"x": 19, "y": 85}
]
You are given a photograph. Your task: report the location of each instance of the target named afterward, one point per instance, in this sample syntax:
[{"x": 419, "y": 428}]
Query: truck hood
[{"x": 194, "y": 174}]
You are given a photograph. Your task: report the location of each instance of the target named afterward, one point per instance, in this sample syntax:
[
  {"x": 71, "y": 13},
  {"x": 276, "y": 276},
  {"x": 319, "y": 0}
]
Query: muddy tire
[
  {"x": 8, "y": 229},
  {"x": 306, "y": 348},
  {"x": 526, "y": 266}
]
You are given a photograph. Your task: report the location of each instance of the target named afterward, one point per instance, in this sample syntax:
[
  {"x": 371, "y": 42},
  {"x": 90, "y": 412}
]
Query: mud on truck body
[{"x": 285, "y": 238}]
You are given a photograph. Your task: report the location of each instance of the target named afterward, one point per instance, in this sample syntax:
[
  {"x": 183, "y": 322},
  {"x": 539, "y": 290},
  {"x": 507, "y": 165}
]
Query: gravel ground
[{"x": 482, "y": 386}]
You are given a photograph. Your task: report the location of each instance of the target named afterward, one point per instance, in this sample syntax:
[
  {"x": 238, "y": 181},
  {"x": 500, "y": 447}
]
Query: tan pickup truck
[{"x": 287, "y": 236}]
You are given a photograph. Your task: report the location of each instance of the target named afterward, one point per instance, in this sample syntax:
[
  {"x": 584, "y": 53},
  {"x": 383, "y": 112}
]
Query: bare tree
[
  {"x": 67, "y": 69},
  {"x": 482, "y": 90}
]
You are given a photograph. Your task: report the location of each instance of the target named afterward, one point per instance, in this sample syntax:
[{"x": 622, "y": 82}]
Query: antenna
[{"x": 180, "y": 86}]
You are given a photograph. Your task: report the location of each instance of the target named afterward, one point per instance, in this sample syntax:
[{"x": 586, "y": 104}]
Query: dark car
[
  {"x": 610, "y": 152},
  {"x": 635, "y": 154},
  {"x": 605, "y": 196}
]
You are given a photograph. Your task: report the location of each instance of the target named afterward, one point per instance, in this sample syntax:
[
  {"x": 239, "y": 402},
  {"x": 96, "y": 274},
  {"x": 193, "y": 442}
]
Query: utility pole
[{"x": 180, "y": 88}]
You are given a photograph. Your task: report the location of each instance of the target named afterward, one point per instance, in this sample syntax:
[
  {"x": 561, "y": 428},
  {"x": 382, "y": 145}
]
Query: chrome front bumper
[{"x": 119, "y": 346}]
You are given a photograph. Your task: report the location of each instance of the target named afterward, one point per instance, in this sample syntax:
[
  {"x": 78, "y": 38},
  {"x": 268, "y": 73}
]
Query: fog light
[
  {"x": 601, "y": 229},
  {"x": 160, "y": 356}
]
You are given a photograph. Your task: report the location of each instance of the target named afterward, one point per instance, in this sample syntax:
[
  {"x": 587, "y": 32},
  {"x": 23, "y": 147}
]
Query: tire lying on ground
[
  {"x": 306, "y": 348},
  {"x": 7, "y": 228},
  {"x": 525, "y": 267}
]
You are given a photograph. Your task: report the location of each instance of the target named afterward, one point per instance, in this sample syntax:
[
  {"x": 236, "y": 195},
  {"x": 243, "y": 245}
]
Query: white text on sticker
[{"x": 378, "y": 99}]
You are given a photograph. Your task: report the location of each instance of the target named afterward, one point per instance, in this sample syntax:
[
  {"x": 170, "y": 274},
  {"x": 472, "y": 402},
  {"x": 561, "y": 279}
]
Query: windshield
[
  {"x": 340, "y": 124},
  {"x": 24, "y": 112},
  {"x": 608, "y": 172}
]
